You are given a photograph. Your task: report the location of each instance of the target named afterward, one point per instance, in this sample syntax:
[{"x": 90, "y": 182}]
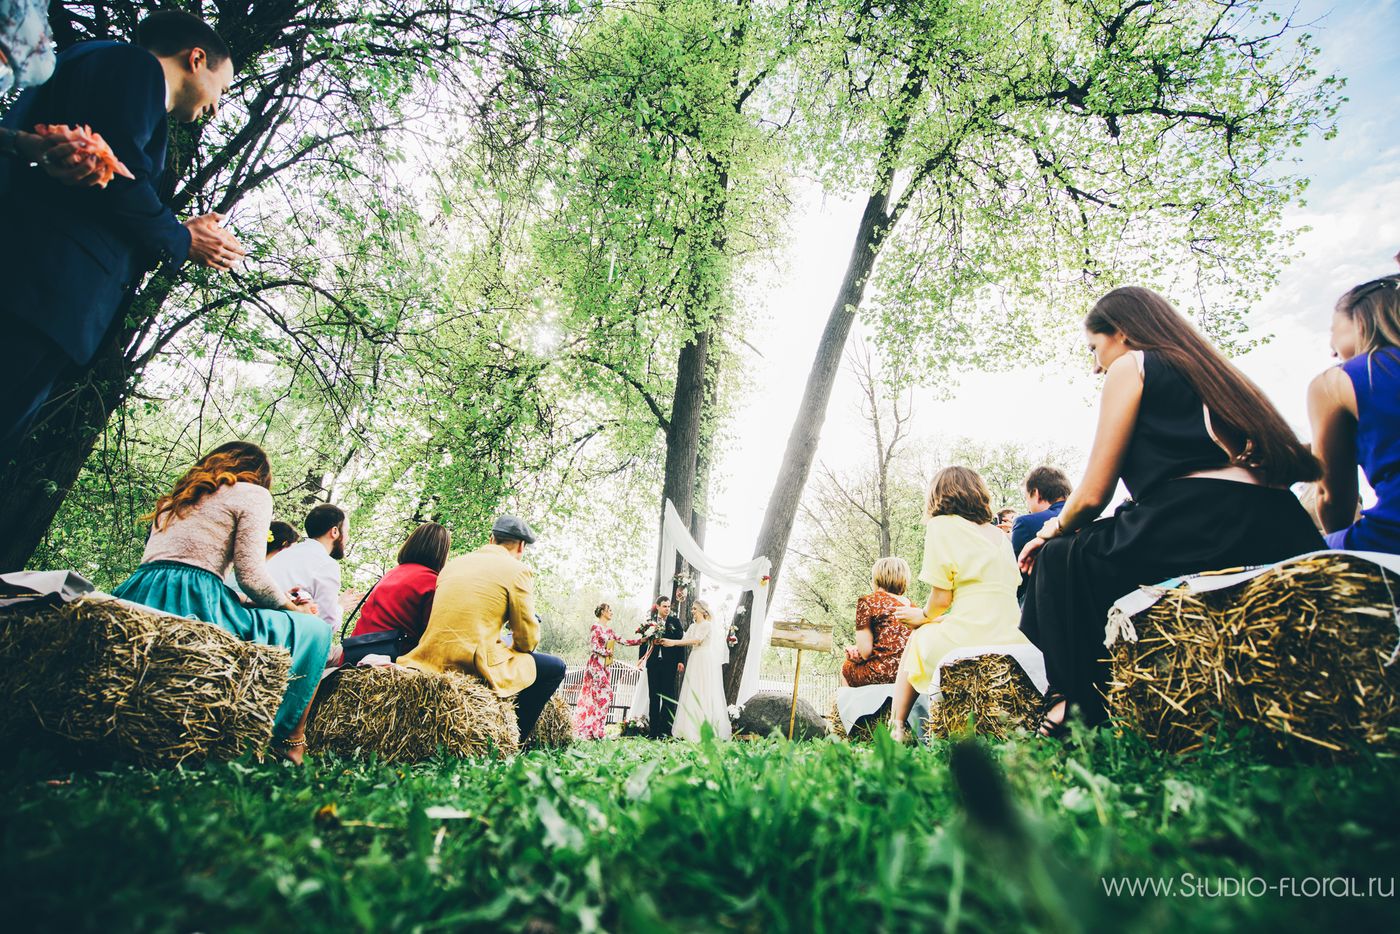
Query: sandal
[{"x": 1053, "y": 729}]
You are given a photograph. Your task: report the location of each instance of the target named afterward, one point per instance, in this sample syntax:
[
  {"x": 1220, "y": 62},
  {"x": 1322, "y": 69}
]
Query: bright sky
[{"x": 1354, "y": 236}]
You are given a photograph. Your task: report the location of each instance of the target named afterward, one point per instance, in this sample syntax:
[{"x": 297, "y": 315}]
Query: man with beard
[{"x": 310, "y": 569}]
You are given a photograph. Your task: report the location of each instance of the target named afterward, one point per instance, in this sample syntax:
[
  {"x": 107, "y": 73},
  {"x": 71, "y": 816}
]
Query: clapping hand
[
  {"x": 302, "y": 602},
  {"x": 63, "y": 160},
  {"x": 212, "y": 245}
]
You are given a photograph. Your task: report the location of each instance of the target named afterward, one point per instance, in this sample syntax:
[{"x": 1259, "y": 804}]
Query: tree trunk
[
  {"x": 806, "y": 430},
  {"x": 694, "y": 386},
  {"x": 705, "y": 458},
  {"x": 875, "y": 223},
  {"x": 45, "y": 466},
  {"x": 683, "y": 436}
]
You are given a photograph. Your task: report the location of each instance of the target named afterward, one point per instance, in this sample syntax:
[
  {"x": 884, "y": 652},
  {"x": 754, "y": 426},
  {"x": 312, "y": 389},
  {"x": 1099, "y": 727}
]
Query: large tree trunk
[
  {"x": 34, "y": 483},
  {"x": 683, "y": 438},
  {"x": 875, "y": 223},
  {"x": 806, "y": 430},
  {"x": 705, "y": 458}
]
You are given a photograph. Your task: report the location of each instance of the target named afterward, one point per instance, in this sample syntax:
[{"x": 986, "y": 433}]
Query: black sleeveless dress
[{"x": 1172, "y": 526}]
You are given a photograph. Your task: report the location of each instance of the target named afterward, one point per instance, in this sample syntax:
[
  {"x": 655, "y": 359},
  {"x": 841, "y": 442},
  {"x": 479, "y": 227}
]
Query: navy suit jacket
[
  {"x": 69, "y": 257},
  {"x": 1025, "y": 527}
]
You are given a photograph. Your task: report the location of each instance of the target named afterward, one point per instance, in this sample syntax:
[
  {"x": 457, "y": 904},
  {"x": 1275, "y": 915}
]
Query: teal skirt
[{"x": 195, "y": 593}]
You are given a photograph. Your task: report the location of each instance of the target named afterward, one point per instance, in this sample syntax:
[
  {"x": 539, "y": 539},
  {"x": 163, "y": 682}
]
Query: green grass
[{"x": 765, "y": 836}]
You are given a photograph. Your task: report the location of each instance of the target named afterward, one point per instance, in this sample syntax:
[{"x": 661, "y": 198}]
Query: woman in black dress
[{"x": 1207, "y": 460}]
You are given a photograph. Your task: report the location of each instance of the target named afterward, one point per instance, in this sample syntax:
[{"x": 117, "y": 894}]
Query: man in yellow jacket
[{"x": 478, "y": 595}]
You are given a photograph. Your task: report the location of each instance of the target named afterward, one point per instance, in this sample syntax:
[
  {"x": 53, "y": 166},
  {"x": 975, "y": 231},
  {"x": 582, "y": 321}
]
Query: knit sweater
[{"x": 229, "y": 526}]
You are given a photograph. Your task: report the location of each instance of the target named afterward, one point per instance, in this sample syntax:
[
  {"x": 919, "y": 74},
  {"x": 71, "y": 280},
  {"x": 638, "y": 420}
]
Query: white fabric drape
[{"x": 676, "y": 539}]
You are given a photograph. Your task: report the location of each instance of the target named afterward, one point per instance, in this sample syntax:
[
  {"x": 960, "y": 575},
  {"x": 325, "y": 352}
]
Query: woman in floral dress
[{"x": 594, "y": 698}]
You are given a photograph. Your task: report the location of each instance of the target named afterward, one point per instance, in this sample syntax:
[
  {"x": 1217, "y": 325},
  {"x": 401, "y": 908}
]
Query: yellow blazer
[{"x": 478, "y": 594}]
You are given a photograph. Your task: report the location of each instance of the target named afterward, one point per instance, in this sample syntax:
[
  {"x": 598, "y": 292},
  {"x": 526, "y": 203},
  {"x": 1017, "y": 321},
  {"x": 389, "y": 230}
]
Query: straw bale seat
[
  {"x": 555, "y": 727},
  {"x": 107, "y": 679},
  {"x": 407, "y": 716},
  {"x": 863, "y": 730},
  {"x": 991, "y": 692},
  {"x": 1301, "y": 655}
]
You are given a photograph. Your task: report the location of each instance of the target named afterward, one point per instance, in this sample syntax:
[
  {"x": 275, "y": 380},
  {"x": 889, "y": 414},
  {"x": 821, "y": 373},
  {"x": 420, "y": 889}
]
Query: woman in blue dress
[
  {"x": 1355, "y": 413},
  {"x": 218, "y": 515}
]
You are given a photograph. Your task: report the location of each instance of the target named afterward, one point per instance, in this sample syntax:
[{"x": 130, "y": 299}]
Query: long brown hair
[
  {"x": 959, "y": 491},
  {"x": 427, "y": 545},
  {"x": 1246, "y": 423},
  {"x": 227, "y": 464}
]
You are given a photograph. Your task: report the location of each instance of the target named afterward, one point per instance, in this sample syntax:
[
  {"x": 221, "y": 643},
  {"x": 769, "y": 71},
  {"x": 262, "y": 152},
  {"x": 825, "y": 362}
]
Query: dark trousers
[
  {"x": 661, "y": 685},
  {"x": 549, "y": 674},
  {"x": 33, "y": 363},
  {"x": 1180, "y": 527}
]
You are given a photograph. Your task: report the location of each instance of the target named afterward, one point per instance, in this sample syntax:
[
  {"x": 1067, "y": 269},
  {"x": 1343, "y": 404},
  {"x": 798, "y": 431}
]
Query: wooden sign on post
[{"x": 801, "y": 635}]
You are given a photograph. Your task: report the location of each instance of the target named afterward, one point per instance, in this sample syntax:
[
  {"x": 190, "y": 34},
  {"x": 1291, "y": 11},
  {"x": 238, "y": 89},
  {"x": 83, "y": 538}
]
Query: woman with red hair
[{"x": 219, "y": 514}]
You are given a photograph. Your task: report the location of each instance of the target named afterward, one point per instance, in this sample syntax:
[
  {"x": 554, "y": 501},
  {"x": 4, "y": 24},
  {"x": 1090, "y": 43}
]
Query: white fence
[{"x": 817, "y": 688}]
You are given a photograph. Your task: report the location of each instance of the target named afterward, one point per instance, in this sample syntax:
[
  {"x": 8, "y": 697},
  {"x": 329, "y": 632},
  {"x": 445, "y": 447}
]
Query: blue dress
[
  {"x": 185, "y": 590},
  {"x": 1375, "y": 377}
]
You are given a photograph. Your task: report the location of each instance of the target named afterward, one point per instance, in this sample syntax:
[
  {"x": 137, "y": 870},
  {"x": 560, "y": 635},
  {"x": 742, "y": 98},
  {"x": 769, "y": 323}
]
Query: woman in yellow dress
[{"x": 973, "y": 578}]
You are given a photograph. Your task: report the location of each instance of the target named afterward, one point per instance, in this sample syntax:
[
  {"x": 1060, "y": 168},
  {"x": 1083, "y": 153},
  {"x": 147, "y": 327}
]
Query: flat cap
[{"x": 511, "y": 527}]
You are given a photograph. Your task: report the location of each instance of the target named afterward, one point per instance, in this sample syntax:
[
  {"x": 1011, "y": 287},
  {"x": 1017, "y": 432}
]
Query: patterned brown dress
[{"x": 876, "y": 612}]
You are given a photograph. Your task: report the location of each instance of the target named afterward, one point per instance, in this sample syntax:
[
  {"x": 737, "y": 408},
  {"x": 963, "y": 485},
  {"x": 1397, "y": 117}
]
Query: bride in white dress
[{"x": 702, "y": 691}]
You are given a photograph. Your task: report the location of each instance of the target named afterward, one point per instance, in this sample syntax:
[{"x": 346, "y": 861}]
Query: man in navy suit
[
  {"x": 1047, "y": 488},
  {"x": 70, "y": 257}
]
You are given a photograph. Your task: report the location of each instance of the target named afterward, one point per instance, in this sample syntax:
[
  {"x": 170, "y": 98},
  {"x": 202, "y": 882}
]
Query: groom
[{"x": 663, "y": 669}]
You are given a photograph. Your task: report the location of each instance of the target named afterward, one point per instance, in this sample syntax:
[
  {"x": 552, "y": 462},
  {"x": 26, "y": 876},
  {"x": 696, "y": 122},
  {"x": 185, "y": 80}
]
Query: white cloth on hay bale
[
  {"x": 854, "y": 703},
  {"x": 1120, "y": 616},
  {"x": 56, "y": 586}
]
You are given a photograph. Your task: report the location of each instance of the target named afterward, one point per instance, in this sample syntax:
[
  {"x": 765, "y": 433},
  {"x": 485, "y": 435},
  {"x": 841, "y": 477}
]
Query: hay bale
[
  {"x": 1168, "y": 684},
  {"x": 555, "y": 727},
  {"x": 111, "y": 680},
  {"x": 768, "y": 711},
  {"x": 1299, "y": 654},
  {"x": 405, "y": 716},
  {"x": 863, "y": 730},
  {"x": 992, "y": 691}
]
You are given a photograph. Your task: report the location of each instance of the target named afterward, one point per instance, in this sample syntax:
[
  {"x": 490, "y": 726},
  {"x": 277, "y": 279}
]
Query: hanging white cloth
[
  {"x": 751, "y": 576},
  {"x": 641, "y": 700}
]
